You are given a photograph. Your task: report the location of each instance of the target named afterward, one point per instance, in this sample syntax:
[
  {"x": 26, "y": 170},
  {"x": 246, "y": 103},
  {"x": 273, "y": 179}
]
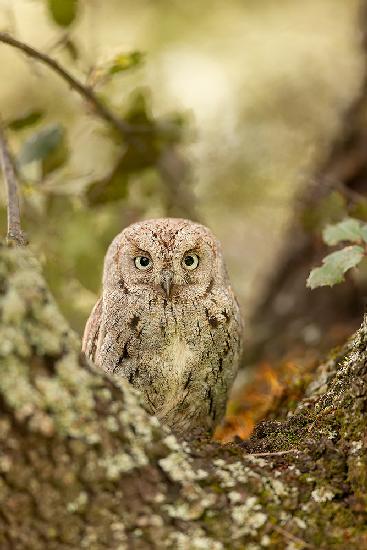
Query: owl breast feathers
[{"x": 168, "y": 321}]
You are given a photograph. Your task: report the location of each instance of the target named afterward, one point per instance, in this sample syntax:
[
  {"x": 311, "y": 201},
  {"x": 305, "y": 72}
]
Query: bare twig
[
  {"x": 85, "y": 91},
  {"x": 290, "y": 536},
  {"x": 15, "y": 233},
  {"x": 277, "y": 453}
]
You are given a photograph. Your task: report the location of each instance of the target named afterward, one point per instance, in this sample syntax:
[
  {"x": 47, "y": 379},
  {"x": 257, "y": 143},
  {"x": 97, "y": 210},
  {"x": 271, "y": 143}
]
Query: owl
[{"x": 168, "y": 321}]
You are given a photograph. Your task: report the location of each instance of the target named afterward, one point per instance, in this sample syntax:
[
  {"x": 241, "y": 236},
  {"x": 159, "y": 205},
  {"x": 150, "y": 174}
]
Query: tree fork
[{"x": 82, "y": 465}]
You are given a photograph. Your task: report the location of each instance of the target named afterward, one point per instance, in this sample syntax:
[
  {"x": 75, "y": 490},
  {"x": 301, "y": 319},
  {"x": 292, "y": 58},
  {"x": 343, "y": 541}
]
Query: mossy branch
[{"x": 82, "y": 465}]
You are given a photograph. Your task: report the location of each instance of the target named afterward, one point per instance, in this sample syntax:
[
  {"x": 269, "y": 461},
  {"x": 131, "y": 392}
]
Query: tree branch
[
  {"x": 172, "y": 168},
  {"x": 85, "y": 91},
  {"x": 84, "y": 466},
  {"x": 15, "y": 232}
]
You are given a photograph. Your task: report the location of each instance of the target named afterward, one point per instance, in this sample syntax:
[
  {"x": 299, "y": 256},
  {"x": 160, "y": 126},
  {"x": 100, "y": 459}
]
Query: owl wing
[{"x": 92, "y": 330}]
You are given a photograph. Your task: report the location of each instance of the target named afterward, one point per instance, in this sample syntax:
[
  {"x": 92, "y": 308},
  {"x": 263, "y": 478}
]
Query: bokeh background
[{"x": 250, "y": 101}]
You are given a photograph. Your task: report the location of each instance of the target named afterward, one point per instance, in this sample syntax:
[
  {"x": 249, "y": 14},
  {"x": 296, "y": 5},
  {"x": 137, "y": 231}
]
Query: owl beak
[{"x": 166, "y": 281}]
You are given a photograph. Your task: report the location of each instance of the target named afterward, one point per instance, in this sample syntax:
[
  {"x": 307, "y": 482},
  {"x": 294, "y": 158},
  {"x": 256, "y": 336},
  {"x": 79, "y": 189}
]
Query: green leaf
[
  {"x": 124, "y": 61},
  {"x": 56, "y": 158},
  {"x": 349, "y": 229},
  {"x": 41, "y": 144},
  {"x": 72, "y": 49},
  {"x": 334, "y": 266},
  {"x": 119, "y": 63},
  {"x": 25, "y": 120},
  {"x": 63, "y": 12},
  {"x": 139, "y": 110},
  {"x": 112, "y": 188}
]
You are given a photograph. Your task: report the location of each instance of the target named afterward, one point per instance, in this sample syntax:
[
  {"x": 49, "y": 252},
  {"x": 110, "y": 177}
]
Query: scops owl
[{"x": 168, "y": 321}]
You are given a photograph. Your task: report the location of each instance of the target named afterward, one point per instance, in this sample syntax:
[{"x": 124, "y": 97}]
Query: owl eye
[
  {"x": 190, "y": 261},
  {"x": 143, "y": 263}
]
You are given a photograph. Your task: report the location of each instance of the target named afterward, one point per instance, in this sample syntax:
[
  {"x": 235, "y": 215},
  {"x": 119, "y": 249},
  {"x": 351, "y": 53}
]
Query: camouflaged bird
[{"x": 168, "y": 321}]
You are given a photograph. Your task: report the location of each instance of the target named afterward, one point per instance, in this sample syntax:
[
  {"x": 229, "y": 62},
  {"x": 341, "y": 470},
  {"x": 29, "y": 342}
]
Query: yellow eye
[
  {"x": 190, "y": 261},
  {"x": 143, "y": 263}
]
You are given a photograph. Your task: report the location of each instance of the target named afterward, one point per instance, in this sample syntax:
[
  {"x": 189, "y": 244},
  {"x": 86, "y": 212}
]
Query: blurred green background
[{"x": 247, "y": 94}]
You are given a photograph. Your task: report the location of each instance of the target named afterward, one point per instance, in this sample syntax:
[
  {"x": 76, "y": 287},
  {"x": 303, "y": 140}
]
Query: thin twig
[
  {"x": 277, "y": 453},
  {"x": 290, "y": 536},
  {"x": 85, "y": 91},
  {"x": 15, "y": 233}
]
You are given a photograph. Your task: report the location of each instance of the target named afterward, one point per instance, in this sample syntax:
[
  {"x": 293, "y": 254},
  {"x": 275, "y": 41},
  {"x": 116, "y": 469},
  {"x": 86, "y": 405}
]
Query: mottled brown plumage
[{"x": 168, "y": 321}]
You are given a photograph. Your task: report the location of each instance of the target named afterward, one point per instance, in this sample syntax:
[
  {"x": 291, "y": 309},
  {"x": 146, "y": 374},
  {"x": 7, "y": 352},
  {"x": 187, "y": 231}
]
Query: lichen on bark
[{"x": 82, "y": 465}]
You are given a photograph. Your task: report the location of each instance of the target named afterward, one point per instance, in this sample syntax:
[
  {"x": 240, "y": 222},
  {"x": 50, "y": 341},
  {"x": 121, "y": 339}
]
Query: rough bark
[{"x": 82, "y": 465}]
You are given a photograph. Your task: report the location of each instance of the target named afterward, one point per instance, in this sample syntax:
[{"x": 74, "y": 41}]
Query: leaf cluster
[
  {"x": 47, "y": 146},
  {"x": 335, "y": 265}
]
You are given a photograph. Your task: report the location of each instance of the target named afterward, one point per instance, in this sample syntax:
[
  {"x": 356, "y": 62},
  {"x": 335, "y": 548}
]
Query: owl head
[{"x": 169, "y": 258}]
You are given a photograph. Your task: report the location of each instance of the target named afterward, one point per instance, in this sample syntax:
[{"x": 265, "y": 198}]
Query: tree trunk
[
  {"x": 289, "y": 315},
  {"x": 84, "y": 466}
]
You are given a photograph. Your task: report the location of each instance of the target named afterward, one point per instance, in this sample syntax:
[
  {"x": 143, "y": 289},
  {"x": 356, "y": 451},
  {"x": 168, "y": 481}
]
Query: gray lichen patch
[
  {"x": 248, "y": 518},
  {"x": 195, "y": 539},
  {"x": 16, "y": 387},
  {"x": 34, "y": 336}
]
